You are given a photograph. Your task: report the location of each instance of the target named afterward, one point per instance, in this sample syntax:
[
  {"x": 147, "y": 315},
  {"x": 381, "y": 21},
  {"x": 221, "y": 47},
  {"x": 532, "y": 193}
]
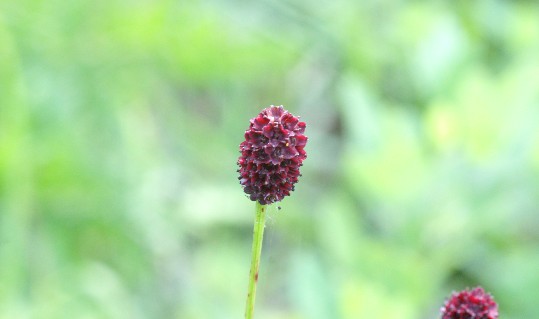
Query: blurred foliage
[{"x": 119, "y": 130}]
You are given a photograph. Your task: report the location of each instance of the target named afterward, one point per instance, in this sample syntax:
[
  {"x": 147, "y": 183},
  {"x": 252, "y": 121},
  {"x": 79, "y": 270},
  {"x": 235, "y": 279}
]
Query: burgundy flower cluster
[
  {"x": 470, "y": 304},
  {"x": 271, "y": 155}
]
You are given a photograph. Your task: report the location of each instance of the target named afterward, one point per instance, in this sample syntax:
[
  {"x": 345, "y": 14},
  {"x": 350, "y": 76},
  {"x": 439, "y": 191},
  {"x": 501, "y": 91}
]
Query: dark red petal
[
  {"x": 276, "y": 112},
  {"x": 300, "y": 127},
  {"x": 268, "y": 131},
  {"x": 301, "y": 140},
  {"x": 260, "y": 121},
  {"x": 289, "y": 121},
  {"x": 289, "y": 152}
]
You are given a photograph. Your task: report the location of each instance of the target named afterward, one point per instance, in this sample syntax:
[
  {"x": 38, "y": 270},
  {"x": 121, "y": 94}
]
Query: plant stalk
[{"x": 258, "y": 236}]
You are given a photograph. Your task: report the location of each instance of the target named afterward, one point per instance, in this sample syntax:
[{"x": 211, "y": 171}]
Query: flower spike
[
  {"x": 470, "y": 304},
  {"x": 271, "y": 155}
]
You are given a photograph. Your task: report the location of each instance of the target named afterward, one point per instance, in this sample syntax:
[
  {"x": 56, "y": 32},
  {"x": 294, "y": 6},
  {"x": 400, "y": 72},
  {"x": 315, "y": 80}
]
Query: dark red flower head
[
  {"x": 470, "y": 304},
  {"x": 271, "y": 155}
]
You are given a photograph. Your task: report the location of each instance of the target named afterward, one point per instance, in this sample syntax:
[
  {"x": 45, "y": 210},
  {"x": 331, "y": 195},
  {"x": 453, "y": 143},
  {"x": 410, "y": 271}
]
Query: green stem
[{"x": 258, "y": 236}]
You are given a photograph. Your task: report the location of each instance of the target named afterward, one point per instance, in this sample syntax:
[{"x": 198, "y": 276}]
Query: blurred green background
[{"x": 119, "y": 130}]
